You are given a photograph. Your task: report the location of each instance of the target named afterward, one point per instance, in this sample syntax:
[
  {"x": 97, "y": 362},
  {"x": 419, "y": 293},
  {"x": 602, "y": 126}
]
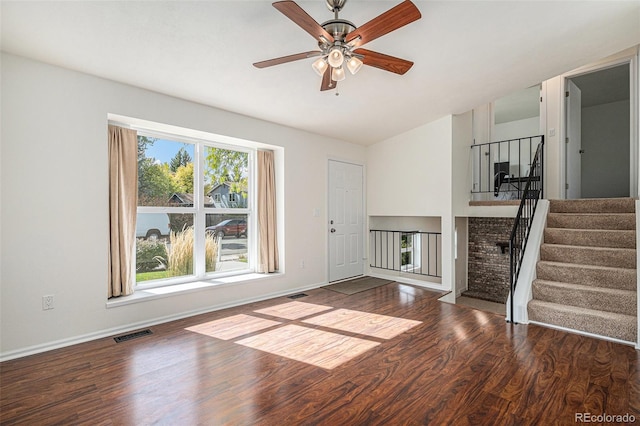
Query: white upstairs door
[
  {"x": 573, "y": 143},
  {"x": 346, "y": 221}
]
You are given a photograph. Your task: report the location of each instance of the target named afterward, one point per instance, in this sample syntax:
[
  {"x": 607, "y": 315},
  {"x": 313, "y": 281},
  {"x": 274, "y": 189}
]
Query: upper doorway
[{"x": 598, "y": 134}]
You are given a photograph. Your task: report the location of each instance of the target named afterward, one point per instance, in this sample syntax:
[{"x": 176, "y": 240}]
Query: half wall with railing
[
  {"x": 501, "y": 169},
  {"x": 412, "y": 252}
]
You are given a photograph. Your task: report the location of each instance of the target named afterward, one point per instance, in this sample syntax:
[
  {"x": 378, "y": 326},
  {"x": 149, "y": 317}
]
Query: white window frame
[{"x": 200, "y": 211}]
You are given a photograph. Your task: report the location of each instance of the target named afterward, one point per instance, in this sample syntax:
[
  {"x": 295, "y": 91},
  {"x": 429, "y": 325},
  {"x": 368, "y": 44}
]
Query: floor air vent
[
  {"x": 297, "y": 296},
  {"x": 130, "y": 336}
]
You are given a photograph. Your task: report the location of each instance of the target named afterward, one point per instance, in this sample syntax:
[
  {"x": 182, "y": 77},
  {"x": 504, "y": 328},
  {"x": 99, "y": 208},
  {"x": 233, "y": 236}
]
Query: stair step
[
  {"x": 609, "y": 324},
  {"x": 593, "y": 205},
  {"x": 596, "y": 256},
  {"x": 598, "y": 276},
  {"x": 586, "y": 276},
  {"x": 592, "y": 220},
  {"x": 591, "y": 237},
  {"x": 584, "y": 296}
]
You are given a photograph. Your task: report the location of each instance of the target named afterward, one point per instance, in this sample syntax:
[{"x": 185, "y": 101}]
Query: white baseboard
[
  {"x": 32, "y": 350},
  {"x": 405, "y": 280}
]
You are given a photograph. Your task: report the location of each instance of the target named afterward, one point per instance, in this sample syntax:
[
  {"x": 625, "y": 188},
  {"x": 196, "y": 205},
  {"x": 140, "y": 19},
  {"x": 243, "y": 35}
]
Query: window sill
[{"x": 178, "y": 289}]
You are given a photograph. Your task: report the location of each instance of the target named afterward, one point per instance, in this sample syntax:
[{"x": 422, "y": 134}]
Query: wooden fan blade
[
  {"x": 294, "y": 12},
  {"x": 327, "y": 82},
  {"x": 394, "y": 18},
  {"x": 384, "y": 62},
  {"x": 289, "y": 58}
]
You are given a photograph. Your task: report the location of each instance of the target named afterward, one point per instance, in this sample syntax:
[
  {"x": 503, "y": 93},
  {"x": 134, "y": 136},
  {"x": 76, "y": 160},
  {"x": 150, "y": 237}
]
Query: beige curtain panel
[
  {"x": 268, "y": 241},
  {"x": 123, "y": 200}
]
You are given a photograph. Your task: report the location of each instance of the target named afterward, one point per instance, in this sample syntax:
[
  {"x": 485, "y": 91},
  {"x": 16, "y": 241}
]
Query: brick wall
[{"x": 488, "y": 267}]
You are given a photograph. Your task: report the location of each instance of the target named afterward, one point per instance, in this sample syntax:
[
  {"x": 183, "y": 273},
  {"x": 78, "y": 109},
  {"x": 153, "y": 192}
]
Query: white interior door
[
  {"x": 574, "y": 142},
  {"x": 346, "y": 221}
]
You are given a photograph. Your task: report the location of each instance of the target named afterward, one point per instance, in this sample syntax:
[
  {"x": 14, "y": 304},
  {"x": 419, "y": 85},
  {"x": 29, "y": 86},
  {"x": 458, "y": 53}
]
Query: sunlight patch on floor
[
  {"x": 293, "y": 310},
  {"x": 317, "y": 347},
  {"x": 232, "y": 327},
  {"x": 380, "y": 326},
  {"x": 322, "y": 348}
]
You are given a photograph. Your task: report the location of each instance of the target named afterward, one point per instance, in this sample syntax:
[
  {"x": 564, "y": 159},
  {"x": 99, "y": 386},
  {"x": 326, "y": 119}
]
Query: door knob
[{"x": 333, "y": 230}]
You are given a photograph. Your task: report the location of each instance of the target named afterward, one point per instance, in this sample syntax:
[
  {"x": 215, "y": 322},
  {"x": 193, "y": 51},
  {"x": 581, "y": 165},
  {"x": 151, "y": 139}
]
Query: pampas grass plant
[
  {"x": 210, "y": 252},
  {"x": 180, "y": 258}
]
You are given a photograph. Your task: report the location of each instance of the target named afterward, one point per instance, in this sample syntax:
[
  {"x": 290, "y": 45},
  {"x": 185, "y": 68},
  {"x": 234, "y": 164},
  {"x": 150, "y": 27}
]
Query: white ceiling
[
  {"x": 466, "y": 53},
  {"x": 604, "y": 86}
]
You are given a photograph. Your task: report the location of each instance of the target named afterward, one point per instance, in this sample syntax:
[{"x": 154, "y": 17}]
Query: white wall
[
  {"x": 462, "y": 255},
  {"x": 410, "y": 175},
  {"x": 553, "y": 146},
  {"x": 605, "y": 141},
  {"x": 516, "y": 129},
  {"x": 405, "y": 223},
  {"x": 54, "y": 203},
  {"x": 462, "y": 162}
]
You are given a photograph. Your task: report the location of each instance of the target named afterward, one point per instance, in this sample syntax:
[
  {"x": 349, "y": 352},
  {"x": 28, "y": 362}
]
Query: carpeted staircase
[{"x": 586, "y": 276}]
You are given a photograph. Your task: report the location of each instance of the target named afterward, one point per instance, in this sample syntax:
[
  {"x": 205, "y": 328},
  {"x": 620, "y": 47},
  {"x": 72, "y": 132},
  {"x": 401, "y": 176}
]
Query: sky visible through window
[{"x": 164, "y": 150}]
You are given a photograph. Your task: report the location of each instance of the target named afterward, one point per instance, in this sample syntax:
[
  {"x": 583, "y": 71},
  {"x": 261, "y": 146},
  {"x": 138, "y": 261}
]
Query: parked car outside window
[
  {"x": 152, "y": 225},
  {"x": 233, "y": 227}
]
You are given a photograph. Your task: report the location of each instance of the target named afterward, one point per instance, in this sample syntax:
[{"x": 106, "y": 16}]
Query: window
[
  {"x": 194, "y": 209},
  {"x": 410, "y": 244}
]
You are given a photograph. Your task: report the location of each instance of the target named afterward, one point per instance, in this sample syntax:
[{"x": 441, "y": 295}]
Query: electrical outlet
[
  {"x": 302, "y": 264},
  {"x": 47, "y": 302}
]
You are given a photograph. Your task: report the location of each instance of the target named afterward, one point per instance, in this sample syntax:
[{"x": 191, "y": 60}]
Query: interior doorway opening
[{"x": 598, "y": 134}]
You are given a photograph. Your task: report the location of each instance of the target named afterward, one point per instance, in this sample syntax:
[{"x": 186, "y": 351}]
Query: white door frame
[
  {"x": 629, "y": 57},
  {"x": 573, "y": 141},
  {"x": 364, "y": 242}
]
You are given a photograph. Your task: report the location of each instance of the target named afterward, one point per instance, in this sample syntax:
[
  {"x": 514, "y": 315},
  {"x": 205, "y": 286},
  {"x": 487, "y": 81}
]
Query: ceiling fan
[{"x": 339, "y": 41}]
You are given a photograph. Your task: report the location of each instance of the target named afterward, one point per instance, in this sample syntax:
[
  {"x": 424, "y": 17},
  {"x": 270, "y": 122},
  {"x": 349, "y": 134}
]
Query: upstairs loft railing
[
  {"x": 501, "y": 169},
  {"x": 411, "y": 252},
  {"x": 532, "y": 192}
]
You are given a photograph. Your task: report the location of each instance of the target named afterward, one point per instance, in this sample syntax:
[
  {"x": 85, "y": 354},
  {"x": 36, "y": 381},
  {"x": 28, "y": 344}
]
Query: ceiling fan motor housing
[{"x": 338, "y": 28}]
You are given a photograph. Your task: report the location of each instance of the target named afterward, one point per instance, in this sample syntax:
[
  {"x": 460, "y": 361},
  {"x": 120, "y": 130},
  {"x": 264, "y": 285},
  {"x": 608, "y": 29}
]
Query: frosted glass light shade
[
  {"x": 354, "y": 64},
  {"x": 337, "y": 74},
  {"x": 320, "y": 66},
  {"x": 335, "y": 58}
]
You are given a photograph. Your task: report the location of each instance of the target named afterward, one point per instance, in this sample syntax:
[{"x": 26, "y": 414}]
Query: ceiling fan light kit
[
  {"x": 335, "y": 57},
  {"x": 354, "y": 64},
  {"x": 339, "y": 41},
  {"x": 337, "y": 74},
  {"x": 320, "y": 66}
]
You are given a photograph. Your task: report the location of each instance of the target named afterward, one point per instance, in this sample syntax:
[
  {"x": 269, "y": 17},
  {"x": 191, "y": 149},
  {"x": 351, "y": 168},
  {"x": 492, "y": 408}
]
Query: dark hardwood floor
[{"x": 460, "y": 366}]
